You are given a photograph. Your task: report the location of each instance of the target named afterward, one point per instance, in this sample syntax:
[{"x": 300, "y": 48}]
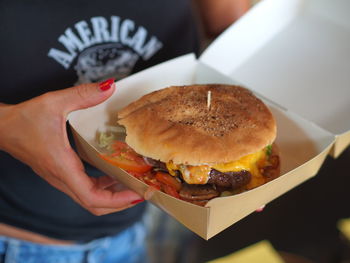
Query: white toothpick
[{"x": 209, "y": 99}]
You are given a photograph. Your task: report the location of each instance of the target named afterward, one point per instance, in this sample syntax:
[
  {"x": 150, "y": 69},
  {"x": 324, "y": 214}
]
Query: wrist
[{"x": 5, "y": 116}]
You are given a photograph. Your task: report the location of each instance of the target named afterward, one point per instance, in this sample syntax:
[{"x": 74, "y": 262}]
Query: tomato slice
[
  {"x": 152, "y": 182},
  {"x": 119, "y": 147},
  {"x": 169, "y": 180},
  {"x": 126, "y": 158},
  {"x": 129, "y": 165},
  {"x": 137, "y": 175},
  {"x": 170, "y": 191}
]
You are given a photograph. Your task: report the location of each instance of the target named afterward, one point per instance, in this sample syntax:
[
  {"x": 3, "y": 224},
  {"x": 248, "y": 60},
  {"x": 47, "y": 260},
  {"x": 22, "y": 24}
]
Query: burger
[{"x": 213, "y": 140}]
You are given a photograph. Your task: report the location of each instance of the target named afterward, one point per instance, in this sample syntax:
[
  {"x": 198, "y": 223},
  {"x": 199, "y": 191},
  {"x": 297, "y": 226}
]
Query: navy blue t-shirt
[{"x": 51, "y": 45}]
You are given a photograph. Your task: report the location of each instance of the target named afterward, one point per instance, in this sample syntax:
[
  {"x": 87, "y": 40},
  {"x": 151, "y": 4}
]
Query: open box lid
[{"x": 296, "y": 53}]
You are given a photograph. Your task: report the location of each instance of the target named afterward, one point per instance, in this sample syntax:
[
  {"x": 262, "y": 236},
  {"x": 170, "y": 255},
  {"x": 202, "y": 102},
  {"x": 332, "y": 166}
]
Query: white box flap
[{"x": 296, "y": 53}]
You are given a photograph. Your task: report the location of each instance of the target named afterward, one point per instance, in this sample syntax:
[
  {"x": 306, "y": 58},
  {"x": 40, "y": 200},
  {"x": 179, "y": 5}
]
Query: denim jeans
[{"x": 127, "y": 246}]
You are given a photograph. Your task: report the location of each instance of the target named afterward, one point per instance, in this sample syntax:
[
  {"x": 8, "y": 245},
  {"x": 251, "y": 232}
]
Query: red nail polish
[
  {"x": 107, "y": 84},
  {"x": 137, "y": 201},
  {"x": 260, "y": 209}
]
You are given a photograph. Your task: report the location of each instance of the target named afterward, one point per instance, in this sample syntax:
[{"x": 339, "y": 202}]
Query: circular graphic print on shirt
[{"x": 105, "y": 61}]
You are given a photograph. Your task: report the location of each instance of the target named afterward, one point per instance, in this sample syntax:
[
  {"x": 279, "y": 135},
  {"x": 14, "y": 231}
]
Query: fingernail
[
  {"x": 260, "y": 209},
  {"x": 137, "y": 201},
  {"x": 107, "y": 84}
]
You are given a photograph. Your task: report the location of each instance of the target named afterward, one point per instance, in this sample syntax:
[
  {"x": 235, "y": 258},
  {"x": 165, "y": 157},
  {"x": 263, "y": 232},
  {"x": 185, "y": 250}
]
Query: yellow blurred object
[
  {"x": 261, "y": 252},
  {"x": 344, "y": 227}
]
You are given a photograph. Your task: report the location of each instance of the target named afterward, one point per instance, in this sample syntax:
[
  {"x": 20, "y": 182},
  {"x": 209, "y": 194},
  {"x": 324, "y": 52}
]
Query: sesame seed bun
[{"x": 176, "y": 124}]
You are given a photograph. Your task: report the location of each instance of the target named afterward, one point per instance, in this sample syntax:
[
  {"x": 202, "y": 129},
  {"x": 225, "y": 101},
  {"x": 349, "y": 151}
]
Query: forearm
[
  {"x": 217, "y": 15},
  {"x": 5, "y": 115}
]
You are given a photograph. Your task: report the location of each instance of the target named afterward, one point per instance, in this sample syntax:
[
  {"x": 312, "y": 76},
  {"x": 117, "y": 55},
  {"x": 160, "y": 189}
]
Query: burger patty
[
  {"x": 230, "y": 180},
  {"x": 193, "y": 192}
]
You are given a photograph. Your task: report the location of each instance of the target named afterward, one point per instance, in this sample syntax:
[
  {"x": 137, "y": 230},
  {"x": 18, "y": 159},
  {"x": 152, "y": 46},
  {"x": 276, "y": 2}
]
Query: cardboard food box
[{"x": 295, "y": 55}]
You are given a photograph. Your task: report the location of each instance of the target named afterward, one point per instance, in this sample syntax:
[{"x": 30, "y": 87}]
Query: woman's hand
[{"x": 34, "y": 132}]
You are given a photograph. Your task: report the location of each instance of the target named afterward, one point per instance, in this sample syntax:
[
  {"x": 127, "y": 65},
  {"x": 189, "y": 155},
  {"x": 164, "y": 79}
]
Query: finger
[
  {"x": 104, "y": 211},
  {"x": 110, "y": 184},
  {"x": 92, "y": 196},
  {"x": 60, "y": 185},
  {"x": 104, "y": 182},
  {"x": 260, "y": 209},
  {"x": 88, "y": 190},
  {"x": 100, "y": 209},
  {"x": 118, "y": 187},
  {"x": 83, "y": 96}
]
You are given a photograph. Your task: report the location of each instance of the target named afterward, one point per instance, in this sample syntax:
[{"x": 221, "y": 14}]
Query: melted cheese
[{"x": 200, "y": 174}]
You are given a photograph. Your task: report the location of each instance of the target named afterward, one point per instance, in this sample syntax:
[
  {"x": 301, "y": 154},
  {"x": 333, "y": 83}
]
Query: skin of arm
[
  {"x": 34, "y": 132},
  {"x": 217, "y": 15}
]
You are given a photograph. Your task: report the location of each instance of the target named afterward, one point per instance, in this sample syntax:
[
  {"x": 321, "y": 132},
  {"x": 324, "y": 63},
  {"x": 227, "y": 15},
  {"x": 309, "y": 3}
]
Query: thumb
[{"x": 85, "y": 95}]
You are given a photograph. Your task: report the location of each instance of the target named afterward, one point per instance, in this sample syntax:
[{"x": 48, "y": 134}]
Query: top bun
[{"x": 175, "y": 124}]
